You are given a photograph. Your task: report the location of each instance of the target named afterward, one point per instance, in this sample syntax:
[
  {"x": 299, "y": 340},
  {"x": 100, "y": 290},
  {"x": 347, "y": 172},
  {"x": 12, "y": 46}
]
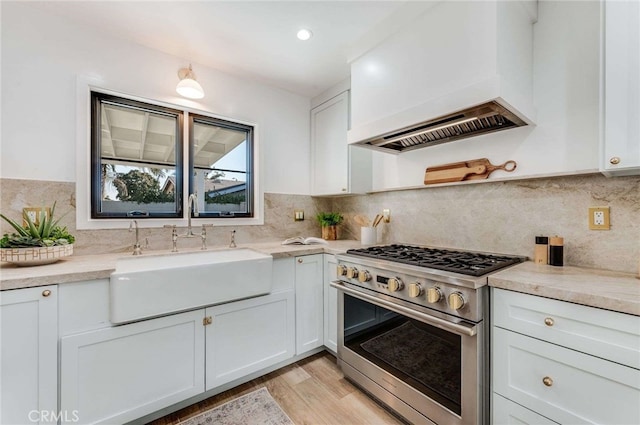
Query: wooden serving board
[{"x": 473, "y": 169}]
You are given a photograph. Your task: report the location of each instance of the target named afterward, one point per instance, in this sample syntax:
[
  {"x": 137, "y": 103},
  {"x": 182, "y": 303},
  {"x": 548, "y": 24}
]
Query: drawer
[
  {"x": 602, "y": 333},
  {"x": 581, "y": 389},
  {"x": 506, "y": 412}
]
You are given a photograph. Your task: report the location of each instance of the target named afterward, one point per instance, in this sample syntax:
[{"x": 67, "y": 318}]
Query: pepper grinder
[
  {"x": 556, "y": 251},
  {"x": 541, "y": 250}
]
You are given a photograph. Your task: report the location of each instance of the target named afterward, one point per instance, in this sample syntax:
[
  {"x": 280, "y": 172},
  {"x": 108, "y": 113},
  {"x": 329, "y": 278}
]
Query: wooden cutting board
[{"x": 473, "y": 169}]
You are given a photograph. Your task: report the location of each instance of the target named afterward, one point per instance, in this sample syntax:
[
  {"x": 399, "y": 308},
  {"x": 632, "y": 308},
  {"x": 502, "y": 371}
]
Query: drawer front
[
  {"x": 602, "y": 333},
  {"x": 564, "y": 385},
  {"x": 506, "y": 412}
]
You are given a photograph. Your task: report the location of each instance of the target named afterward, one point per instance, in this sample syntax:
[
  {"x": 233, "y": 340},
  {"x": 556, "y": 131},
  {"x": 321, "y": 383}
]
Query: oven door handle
[{"x": 462, "y": 328}]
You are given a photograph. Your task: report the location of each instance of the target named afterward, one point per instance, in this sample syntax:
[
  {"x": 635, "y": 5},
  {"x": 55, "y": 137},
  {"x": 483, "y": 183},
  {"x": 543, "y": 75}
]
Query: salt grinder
[
  {"x": 556, "y": 251},
  {"x": 541, "y": 250}
]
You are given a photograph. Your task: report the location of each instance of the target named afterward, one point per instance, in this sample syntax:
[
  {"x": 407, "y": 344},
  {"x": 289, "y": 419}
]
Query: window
[
  {"x": 137, "y": 162},
  {"x": 220, "y": 157},
  {"x": 136, "y": 158}
]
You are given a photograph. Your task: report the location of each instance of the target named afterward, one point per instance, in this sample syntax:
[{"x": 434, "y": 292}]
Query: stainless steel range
[{"x": 412, "y": 329}]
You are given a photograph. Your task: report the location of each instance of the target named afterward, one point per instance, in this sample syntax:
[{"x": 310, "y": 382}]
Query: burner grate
[{"x": 464, "y": 262}]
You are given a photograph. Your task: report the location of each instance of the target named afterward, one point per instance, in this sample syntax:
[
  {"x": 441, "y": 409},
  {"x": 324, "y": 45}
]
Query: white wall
[
  {"x": 42, "y": 57},
  {"x": 566, "y": 96}
]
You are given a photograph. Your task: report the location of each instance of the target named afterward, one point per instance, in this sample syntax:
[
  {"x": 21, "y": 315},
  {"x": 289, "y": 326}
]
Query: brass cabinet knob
[
  {"x": 614, "y": 160},
  {"x": 300, "y": 260},
  {"x": 46, "y": 293},
  {"x": 548, "y": 321},
  {"x": 547, "y": 381}
]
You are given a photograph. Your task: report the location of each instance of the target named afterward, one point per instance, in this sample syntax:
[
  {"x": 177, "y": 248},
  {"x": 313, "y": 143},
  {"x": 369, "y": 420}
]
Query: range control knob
[
  {"x": 434, "y": 295},
  {"x": 415, "y": 290},
  {"x": 364, "y": 276},
  {"x": 352, "y": 272},
  {"x": 456, "y": 301},
  {"x": 395, "y": 284},
  {"x": 341, "y": 270}
]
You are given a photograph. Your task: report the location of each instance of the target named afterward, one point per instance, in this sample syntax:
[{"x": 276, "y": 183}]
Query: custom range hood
[{"x": 470, "y": 74}]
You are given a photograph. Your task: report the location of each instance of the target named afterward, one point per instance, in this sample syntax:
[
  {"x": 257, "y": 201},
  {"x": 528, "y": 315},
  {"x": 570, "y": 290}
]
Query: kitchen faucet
[
  {"x": 192, "y": 205},
  {"x": 136, "y": 247}
]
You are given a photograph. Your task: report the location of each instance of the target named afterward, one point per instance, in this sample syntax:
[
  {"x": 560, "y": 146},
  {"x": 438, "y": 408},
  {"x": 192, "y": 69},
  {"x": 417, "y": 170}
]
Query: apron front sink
[{"x": 149, "y": 286}]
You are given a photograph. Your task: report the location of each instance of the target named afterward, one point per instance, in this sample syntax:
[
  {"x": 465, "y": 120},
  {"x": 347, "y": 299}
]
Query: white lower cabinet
[
  {"x": 118, "y": 374},
  {"x": 29, "y": 359},
  {"x": 506, "y": 412},
  {"x": 542, "y": 361},
  {"x": 249, "y": 335},
  {"x": 330, "y": 304},
  {"x": 309, "y": 302}
]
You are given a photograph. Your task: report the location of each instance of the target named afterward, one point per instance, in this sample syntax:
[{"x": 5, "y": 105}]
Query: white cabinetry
[
  {"x": 330, "y": 304},
  {"x": 29, "y": 360},
  {"x": 118, "y": 374},
  {"x": 566, "y": 362},
  {"x": 309, "y": 302},
  {"x": 336, "y": 168},
  {"x": 621, "y": 143},
  {"x": 249, "y": 335}
]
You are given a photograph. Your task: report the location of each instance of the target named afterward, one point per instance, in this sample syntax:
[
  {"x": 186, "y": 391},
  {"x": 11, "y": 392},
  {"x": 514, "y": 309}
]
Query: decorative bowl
[{"x": 35, "y": 256}]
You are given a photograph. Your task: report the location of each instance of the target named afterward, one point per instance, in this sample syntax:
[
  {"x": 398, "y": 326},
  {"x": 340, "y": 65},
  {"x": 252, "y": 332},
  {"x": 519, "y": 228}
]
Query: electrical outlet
[
  {"x": 386, "y": 215},
  {"x": 298, "y": 215},
  {"x": 599, "y": 218}
]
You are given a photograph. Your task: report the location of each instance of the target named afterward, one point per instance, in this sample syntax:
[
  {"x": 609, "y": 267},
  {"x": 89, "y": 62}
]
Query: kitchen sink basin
[{"x": 154, "y": 285}]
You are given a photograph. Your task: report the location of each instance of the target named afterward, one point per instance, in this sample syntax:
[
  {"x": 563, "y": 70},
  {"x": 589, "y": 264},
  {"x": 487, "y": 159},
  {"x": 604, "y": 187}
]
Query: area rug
[{"x": 255, "y": 408}]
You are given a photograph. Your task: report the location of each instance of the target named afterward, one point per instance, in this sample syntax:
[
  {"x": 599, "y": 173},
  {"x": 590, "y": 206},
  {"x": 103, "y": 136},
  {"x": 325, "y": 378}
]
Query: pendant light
[{"x": 188, "y": 86}]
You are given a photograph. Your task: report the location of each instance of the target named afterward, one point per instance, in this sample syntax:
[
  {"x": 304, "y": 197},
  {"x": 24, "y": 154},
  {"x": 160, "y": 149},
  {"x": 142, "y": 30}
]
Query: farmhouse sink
[{"x": 148, "y": 286}]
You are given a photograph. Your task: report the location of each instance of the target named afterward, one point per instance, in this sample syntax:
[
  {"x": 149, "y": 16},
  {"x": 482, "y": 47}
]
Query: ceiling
[{"x": 255, "y": 39}]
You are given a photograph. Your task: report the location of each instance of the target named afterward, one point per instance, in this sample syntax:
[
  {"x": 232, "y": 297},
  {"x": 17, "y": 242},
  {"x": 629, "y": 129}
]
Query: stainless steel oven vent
[{"x": 486, "y": 118}]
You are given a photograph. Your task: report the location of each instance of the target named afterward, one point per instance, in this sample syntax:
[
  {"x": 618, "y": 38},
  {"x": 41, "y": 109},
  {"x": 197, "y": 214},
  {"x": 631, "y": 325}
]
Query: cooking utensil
[
  {"x": 377, "y": 220},
  {"x": 466, "y": 170}
]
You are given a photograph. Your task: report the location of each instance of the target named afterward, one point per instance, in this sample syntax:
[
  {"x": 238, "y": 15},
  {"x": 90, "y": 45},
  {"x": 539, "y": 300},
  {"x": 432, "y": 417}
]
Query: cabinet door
[
  {"x": 622, "y": 88},
  {"x": 118, "y": 374},
  {"x": 330, "y": 304},
  {"x": 563, "y": 385},
  {"x": 309, "y": 303},
  {"x": 329, "y": 126},
  {"x": 29, "y": 360},
  {"x": 247, "y": 336}
]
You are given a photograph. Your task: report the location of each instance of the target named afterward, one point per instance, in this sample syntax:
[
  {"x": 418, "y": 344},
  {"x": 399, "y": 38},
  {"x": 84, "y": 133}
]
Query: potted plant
[
  {"x": 329, "y": 221},
  {"x": 40, "y": 241}
]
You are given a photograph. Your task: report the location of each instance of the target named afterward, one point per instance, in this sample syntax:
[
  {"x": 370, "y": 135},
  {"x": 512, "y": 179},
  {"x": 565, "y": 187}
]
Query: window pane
[
  {"x": 221, "y": 153},
  {"x": 135, "y": 154}
]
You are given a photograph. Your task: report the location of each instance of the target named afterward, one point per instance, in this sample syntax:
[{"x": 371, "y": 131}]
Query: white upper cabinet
[
  {"x": 336, "y": 168},
  {"x": 621, "y": 141}
]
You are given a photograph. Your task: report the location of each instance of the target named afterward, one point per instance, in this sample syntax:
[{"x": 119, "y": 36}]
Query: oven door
[{"x": 426, "y": 368}]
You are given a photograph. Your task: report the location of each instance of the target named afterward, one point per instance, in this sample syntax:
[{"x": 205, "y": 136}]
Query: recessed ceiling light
[{"x": 304, "y": 34}]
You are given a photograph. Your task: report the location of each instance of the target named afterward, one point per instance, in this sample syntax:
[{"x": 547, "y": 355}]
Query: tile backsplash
[{"x": 492, "y": 216}]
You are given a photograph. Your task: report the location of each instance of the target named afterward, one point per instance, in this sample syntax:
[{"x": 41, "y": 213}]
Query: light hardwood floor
[{"x": 312, "y": 391}]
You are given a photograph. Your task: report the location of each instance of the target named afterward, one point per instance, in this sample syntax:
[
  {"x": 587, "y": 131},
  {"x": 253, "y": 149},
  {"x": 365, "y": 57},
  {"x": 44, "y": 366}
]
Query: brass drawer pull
[
  {"x": 547, "y": 381},
  {"x": 548, "y": 321},
  {"x": 615, "y": 160},
  {"x": 46, "y": 293}
]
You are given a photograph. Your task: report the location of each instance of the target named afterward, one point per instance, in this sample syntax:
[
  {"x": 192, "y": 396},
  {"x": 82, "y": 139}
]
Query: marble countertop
[
  {"x": 596, "y": 288},
  {"x": 78, "y": 268}
]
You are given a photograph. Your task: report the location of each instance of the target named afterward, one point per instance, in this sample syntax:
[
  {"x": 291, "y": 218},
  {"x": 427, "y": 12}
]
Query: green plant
[
  {"x": 45, "y": 233},
  {"x": 329, "y": 218}
]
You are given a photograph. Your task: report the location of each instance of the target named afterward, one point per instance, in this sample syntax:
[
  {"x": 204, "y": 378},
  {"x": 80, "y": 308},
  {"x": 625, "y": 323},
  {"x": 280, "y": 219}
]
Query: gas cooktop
[{"x": 464, "y": 262}]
